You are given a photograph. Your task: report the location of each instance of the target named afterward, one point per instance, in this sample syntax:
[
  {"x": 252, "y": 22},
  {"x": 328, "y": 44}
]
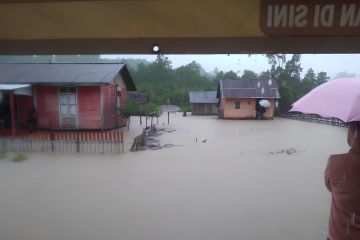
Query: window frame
[{"x": 71, "y": 103}]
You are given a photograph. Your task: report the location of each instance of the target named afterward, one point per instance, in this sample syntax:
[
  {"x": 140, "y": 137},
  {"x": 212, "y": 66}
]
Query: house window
[
  {"x": 68, "y": 103},
  {"x": 237, "y": 105}
]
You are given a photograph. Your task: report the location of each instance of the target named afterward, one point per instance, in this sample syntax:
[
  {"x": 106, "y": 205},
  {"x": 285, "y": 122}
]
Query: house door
[
  {"x": 5, "y": 115},
  {"x": 68, "y": 107}
]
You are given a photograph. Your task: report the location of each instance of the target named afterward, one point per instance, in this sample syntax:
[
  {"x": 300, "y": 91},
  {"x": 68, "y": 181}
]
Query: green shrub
[
  {"x": 185, "y": 108},
  {"x": 130, "y": 109},
  {"x": 19, "y": 157},
  {"x": 152, "y": 110}
]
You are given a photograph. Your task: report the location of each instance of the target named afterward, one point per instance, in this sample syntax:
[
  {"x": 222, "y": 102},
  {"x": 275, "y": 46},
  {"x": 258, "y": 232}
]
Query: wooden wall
[
  {"x": 97, "y": 107},
  {"x": 24, "y": 106},
  {"x": 122, "y": 121},
  {"x": 204, "y": 109},
  {"x": 89, "y": 107},
  {"x": 47, "y": 106},
  {"x": 110, "y": 109}
]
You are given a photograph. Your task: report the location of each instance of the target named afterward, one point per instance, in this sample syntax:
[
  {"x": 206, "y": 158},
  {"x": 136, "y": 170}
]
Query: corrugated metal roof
[
  {"x": 202, "y": 97},
  {"x": 248, "y": 88},
  {"x": 63, "y": 73}
]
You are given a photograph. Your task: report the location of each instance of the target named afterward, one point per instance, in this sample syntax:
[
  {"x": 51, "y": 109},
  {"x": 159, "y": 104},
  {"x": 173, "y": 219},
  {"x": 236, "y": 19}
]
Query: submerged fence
[
  {"x": 65, "y": 142},
  {"x": 315, "y": 119},
  {"x": 139, "y": 141}
]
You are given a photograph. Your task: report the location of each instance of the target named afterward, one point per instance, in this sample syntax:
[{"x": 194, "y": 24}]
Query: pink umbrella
[{"x": 339, "y": 98}]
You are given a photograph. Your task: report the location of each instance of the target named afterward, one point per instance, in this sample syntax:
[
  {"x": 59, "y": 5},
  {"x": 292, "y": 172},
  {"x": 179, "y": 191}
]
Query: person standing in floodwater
[{"x": 342, "y": 179}]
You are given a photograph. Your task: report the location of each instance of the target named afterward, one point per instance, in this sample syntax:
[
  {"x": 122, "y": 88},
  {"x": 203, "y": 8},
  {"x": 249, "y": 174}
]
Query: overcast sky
[{"x": 330, "y": 63}]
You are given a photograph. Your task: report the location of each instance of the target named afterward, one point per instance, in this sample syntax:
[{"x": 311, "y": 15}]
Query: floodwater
[{"x": 248, "y": 180}]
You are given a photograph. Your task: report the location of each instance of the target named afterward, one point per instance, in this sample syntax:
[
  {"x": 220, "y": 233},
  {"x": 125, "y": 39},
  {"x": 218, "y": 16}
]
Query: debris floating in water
[
  {"x": 288, "y": 151},
  {"x": 150, "y": 141}
]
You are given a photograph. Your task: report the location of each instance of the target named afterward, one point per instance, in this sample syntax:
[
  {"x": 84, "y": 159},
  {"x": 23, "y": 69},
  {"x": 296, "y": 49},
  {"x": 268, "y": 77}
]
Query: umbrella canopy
[
  {"x": 264, "y": 103},
  {"x": 169, "y": 108},
  {"x": 339, "y": 98}
]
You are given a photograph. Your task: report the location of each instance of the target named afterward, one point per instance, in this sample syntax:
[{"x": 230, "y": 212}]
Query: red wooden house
[{"x": 64, "y": 95}]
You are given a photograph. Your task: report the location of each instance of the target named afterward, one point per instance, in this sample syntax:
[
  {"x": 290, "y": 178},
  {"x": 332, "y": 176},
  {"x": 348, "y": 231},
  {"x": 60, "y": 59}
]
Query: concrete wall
[
  {"x": 270, "y": 111},
  {"x": 247, "y": 108}
]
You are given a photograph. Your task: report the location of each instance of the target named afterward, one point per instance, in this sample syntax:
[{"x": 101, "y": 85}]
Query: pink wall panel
[
  {"x": 47, "y": 107},
  {"x": 247, "y": 108},
  {"x": 113, "y": 111},
  {"x": 110, "y": 109},
  {"x": 106, "y": 115},
  {"x": 89, "y": 107},
  {"x": 270, "y": 111}
]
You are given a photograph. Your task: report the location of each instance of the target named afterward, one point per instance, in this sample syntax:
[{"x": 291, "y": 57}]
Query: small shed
[
  {"x": 65, "y": 95},
  {"x": 203, "y": 102},
  {"x": 239, "y": 98}
]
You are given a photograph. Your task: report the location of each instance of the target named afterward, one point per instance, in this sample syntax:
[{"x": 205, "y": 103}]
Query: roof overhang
[
  {"x": 177, "y": 26},
  {"x": 18, "y": 89},
  {"x": 65, "y": 74}
]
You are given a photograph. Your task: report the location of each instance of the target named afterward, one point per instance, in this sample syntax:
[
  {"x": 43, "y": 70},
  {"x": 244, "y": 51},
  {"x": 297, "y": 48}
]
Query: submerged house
[
  {"x": 63, "y": 95},
  {"x": 239, "y": 98},
  {"x": 203, "y": 102}
]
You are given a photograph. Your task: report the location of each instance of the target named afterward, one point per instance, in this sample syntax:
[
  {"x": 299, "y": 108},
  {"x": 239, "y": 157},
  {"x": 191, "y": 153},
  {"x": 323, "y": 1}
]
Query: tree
[
  {"x": 265, "y": 74},
  {"x": 321, "y": 78},
  {"x": 288, "y": 79},
  {"x": 230, "y": 75},
  {"x": 287, "y": 98},
  {"x": 293, "y": 68},
  {"x": 130, "y": 109},
  {"x": 152, "y": 110},
  {"x": 249, "y": 74},
  {"x": 276, "y": 59},
  {"x": 308, "y": 83}
]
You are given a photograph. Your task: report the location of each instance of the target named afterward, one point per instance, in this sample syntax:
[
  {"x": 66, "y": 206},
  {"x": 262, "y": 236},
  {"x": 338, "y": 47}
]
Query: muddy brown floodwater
[{"x": 226, "y": 179}]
